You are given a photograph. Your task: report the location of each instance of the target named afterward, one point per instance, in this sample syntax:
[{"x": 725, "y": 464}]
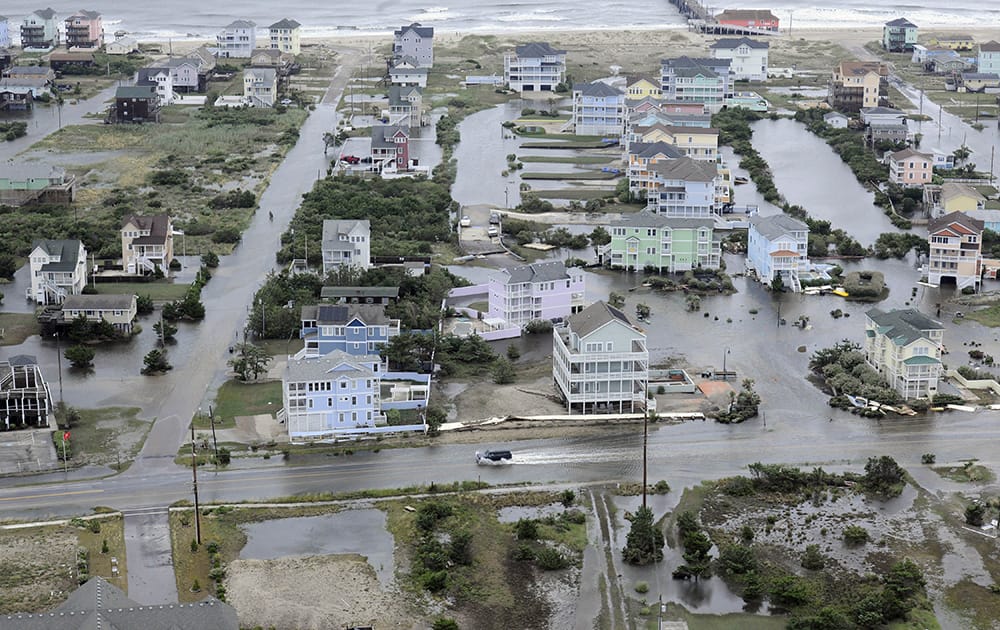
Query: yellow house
[
  {"x": 285, "y": 36},
  {"x": 643, "y": 87},
  {"x": 955, "y": 42},
  {"x": 956, "y": 197},
  {"x": 904, "y": 346},
  {"x": 698, "y": 143},
  {"x": 856, "y": 85}
]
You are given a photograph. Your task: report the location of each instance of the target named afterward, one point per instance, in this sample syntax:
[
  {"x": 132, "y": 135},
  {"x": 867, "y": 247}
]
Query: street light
[
  {"x": 725, "y": 375},
  {"x": 506, "y": 198}
]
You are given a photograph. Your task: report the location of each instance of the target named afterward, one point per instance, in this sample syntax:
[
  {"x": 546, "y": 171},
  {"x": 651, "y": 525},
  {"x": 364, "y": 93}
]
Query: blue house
[
  {"x": 338, "y": 391},
  {"x": 357, "y": 329}
]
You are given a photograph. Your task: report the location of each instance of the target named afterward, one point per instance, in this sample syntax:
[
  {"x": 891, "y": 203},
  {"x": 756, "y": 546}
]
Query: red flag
[{"x": 66, "y": 436}]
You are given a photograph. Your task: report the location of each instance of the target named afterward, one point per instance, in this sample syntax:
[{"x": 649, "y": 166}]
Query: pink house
[
  {"x": 910, "y": 168},
  {"x": 546, "y": 290},
  {"x": 84, "y": 29}
]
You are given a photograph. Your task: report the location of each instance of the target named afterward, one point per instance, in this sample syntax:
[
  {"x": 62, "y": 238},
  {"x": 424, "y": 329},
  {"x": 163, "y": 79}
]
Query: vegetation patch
[
  {"x": 969, "y": 472},
  {"x": 17, "y": 327},
  {"x": 110, "y": 436},
  {"x": 245, "y": 399}
]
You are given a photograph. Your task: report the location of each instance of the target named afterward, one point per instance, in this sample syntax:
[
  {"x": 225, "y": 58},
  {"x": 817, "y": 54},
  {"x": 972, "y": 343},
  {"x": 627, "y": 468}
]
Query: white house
[
  {"x": 161, "y": 80},
  {"x": 684, "y": 187},
  {"x": 748, "y": 57},
  {"x": 534, "y": 67},
  {"x": 778, "y": 245},
  {"x": 260, "y": 87},
  {"x": 237, "y": 39},
  {"x": 58, "y": 269},
  {"x": 346, "y": 243},
  {"x": 407, "y": 72},
  {"x": 904, "y": 346},
  {"x": 882, "y": 115},
  {"x": 285, "y": 36},
  {"x": 414, "y": 41},
  {"x": 122, "y": 46},
  {"x": 40, "y": 30},
  {"x": 598, "y": 109},
  {"x": 836, "y": 120},
  {"x": 147, "y": 243},
  {"x": 600, "y": 361},
  {"x": 545, "y": 290}
]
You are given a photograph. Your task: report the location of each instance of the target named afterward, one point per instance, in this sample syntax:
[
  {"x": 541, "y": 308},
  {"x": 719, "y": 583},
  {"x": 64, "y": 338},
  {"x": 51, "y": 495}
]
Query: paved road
[
  {"x": 46, "y": 120},
  {"x": 150, "y": 561},
  {"x": 234, "y": 283}
]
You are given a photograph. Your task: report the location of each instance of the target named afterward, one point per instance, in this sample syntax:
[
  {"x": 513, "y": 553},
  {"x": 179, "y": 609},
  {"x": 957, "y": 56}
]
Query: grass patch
[
  {"x": 973, "y": 601},
  {"x": 970, "y": 472},
  {"x": 105, "y": 436},
  {"x": 581, "y": 159},
  {"x": 570, "y": 176},
  {"x": 17, "y": 327},
  {"x": 574, "y": 194},
  {"x": 989, "y": 316},
  {"x": 694, "y": 621},
  {"x": 159, "y": 291},
  {"x": 281, "y": 348},
  {"x": 482, "y": 306},
  {"x": 112, "y": 531},
  {"x": 567, "y": 144},
  {"x": 246, "y": 399}
]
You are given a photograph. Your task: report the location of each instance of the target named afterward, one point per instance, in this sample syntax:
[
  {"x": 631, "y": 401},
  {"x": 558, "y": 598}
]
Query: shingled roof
[
  {"x": 594, "y": 316},
  {"x": 903, "y": 326}
]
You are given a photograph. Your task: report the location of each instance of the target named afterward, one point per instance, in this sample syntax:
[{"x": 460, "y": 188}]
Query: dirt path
[{"x": 614, "y": 598}]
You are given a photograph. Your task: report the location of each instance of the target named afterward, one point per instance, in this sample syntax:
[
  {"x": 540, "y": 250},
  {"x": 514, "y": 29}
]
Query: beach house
[
  {"x": 406, "y": 105},
  {"x": 84, "y": 29},
  {"x": 346, "y": 243},
  {"x": 904, "y": 346},
  {"x": 284, "y": 36},
  {"x": 910, "y": 168},
  {"x": 237, "y": 40},
  {"x": 57, "y": 269},
  {"x": 641, "y": 158},
  {"x": 260, "y": 87},
  {"x": 414, "y": 41},
  {"x": 645, "y": 240},
  {"x": 696, "y": 80},
  {"x": 390, "y": 148},
  {"x": 836, "y": 120},
  {"x": 162, "y": 82},
  {"x": 124, "y": 45},
  {"x": 598, "y": 109},
  {"x": 988, "y": 59},
  {"x": 748, "y": 57},
  {"x": 135, "y": 104},
  {"x": 955, "y": 250},
  {"x": 336, "y": 391},
  {"x": 761, "y": 19},
  {"x": 600, "y": 361},
  {"x": 956, "y": 41},
  {"x": 546, "y": 290},
  {"x": 899, "y": 35},
  {"x": 357, "y": 329},
  {"x": 24, "y": 184},
  {"x": 119, "y": 310},
  {"x": 778, "y": 246},
  {"x": 534, "y": 67},
  {"x": 855, "y": 85},
  {"x": 695, "y": 142},
  {"x": 407, "y": 71},
  {"x": 683, "y": 188},
  {"x": 40, "y": 30},
  {"x": 147, "y": 243},
  {"x": 642, "y": 87}
]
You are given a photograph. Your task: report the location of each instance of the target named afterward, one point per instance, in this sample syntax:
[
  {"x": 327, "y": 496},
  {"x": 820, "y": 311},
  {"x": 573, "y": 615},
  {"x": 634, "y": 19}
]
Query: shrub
[
  {"x": 80, "y": 356},
  {"x": 524, "y": 553},
  {"x": 855, "y": 535},
  {"x": 812, "y": 559},
  {"x": 975, "y": 514},
  {"x": 928, "y": 458},
  {"x": 642, "y": 587},
  {"x": 210, "y": 260},
  {"x": 737, "y": 560},
  {"x": 442, "y": 623},
  {"x": 549, "y": 559},
  {"x": 538, "y": 326},
  {"x": 567, "y": 497},
  {"x": 526, "y": 529}
]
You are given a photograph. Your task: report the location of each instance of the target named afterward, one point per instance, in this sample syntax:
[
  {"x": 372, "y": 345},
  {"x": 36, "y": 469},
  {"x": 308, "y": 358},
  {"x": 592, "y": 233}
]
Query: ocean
[{"x": 197, "y": 19}]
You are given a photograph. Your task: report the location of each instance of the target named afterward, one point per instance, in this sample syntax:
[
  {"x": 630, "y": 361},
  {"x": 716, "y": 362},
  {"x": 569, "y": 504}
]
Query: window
[
  {"x": 343, "y": 384},
  {"x": 920, "y": 351}
]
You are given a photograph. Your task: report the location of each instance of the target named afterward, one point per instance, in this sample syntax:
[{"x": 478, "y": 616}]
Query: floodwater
[
  {"x": 352, "y": 531},
  {"x": 822, "y": 184},
  {"x": 482, "y": 157}
]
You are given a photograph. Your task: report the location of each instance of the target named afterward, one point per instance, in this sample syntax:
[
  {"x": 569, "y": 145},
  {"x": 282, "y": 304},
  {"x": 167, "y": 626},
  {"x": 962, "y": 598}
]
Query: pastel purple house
[{"x": 546, "y": 290}]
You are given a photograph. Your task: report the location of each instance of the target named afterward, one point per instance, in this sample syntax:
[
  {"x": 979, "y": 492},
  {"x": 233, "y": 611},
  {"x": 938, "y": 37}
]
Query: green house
[{"x": 667, "y": 244}]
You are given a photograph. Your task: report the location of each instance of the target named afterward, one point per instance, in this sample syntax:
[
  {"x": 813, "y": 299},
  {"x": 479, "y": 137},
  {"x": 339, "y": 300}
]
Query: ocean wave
[
  {"x": 435, "y": 14},
  {"x": 836, "y": 18},
  {"x": 534, "y": 16}
]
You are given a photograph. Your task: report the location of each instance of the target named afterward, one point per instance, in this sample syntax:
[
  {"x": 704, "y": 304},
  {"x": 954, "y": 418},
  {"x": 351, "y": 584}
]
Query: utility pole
[
  {"x": 645, "y": 442},
  {"x": 59, "y": 366},
  {"x": 194, "y": 484},
  {"x": 215, "y": 442}
]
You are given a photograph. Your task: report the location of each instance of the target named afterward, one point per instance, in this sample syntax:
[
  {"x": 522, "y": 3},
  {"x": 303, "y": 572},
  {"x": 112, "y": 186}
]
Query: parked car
[
  {"x": 350, "y": 159},
  {"x": 286, "y": 101},
  {"x": 493, "y": 457},
  {"x": 466, "y": 221},
  {"x": 494, "y": 218},
  {"x": 493, "y": 231}
]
